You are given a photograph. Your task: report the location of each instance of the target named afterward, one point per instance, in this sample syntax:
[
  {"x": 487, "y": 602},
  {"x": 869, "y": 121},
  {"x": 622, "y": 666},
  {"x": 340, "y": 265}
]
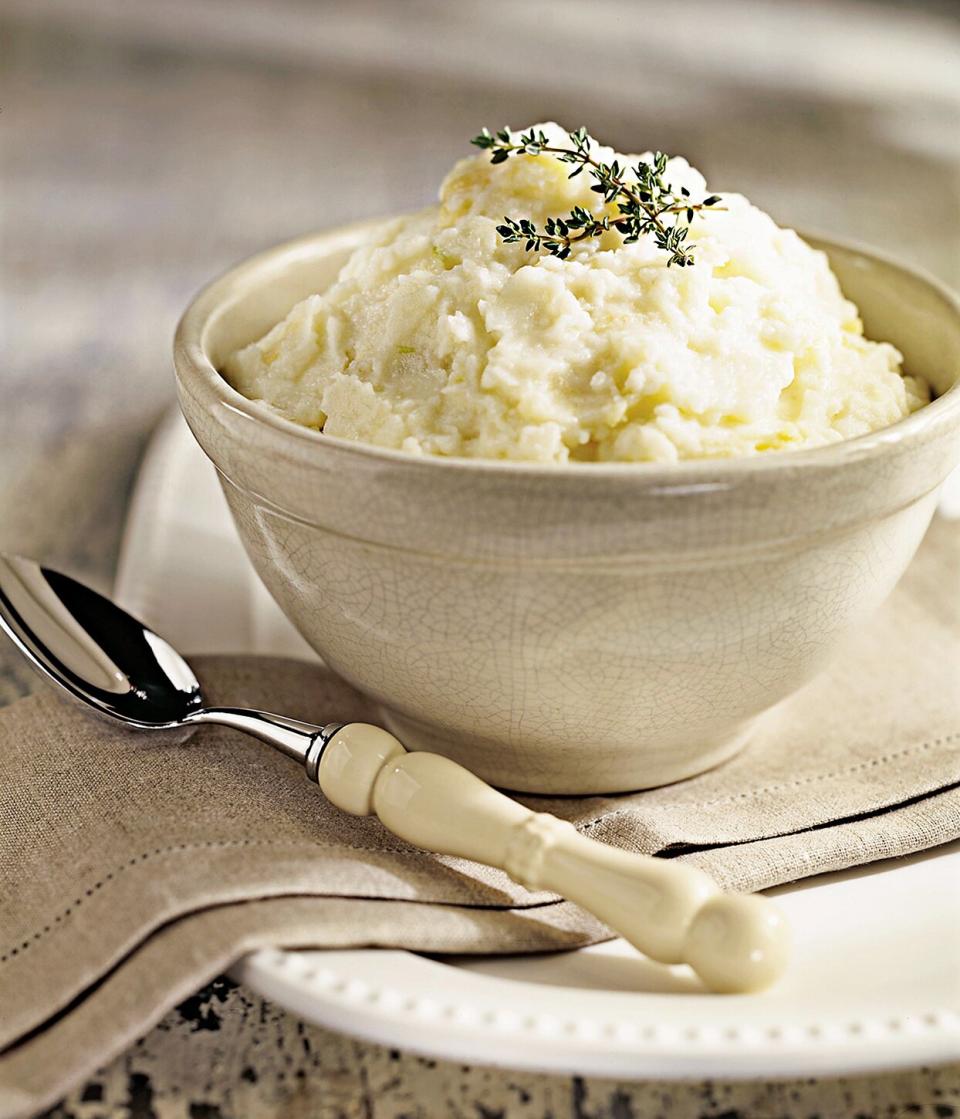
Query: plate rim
[{"x": 338, "y": 994}]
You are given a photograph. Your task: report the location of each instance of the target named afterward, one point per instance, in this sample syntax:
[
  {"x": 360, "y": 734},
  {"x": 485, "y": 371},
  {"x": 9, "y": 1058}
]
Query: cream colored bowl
[{"x": 582, "y": 628}]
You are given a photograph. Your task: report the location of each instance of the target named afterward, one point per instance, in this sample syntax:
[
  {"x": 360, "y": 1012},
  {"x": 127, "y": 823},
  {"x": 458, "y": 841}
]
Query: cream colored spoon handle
[{"x": 670, "y": 912}]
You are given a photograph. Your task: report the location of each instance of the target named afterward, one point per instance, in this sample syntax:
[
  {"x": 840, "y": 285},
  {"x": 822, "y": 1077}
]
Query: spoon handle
[{"x": 671, "y": 912}]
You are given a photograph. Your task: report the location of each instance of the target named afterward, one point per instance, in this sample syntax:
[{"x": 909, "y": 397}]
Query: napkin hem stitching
[
  {"x": 799, "y": 782},
  {"x": 18, "y": 949}
]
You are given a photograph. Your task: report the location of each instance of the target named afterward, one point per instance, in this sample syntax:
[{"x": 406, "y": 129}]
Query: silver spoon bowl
[{"x": 118, "y": 668}]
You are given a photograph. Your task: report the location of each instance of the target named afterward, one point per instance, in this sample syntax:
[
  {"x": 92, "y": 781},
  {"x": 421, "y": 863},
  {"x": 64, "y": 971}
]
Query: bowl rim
[{"x": 190, "y": 354}]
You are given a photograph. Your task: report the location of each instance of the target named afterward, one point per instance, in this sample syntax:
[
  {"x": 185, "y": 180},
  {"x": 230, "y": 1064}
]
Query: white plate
[{"x": 875, "y": 982}]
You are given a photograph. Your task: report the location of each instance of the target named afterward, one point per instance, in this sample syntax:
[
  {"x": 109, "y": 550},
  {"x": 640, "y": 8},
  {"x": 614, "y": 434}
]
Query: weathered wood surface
[{"x": 144, "y": 147}]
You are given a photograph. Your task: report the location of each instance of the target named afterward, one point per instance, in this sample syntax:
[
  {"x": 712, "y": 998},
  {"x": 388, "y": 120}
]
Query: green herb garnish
[{"x": 646, "y": 205}]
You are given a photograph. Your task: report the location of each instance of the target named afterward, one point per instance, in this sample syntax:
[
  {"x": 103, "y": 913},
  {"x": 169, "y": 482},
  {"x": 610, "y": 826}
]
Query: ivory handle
[{"x": 670, "y": 912}]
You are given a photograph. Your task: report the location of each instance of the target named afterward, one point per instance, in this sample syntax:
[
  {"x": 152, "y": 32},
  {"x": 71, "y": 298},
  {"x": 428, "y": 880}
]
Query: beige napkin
[{"x": 135, "y": 867}]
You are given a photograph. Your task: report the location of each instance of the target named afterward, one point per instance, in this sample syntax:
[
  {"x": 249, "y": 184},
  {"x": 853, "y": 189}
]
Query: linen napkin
[{"x": 134, "y": 867}]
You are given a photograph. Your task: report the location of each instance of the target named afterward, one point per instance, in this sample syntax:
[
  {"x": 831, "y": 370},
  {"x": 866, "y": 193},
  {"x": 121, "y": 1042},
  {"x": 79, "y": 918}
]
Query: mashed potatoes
[{"x": 440, "y": 339}]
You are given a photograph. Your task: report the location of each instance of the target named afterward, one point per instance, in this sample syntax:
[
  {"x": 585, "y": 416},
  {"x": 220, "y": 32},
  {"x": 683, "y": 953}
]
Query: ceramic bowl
[{"x": 582, "y": 628}]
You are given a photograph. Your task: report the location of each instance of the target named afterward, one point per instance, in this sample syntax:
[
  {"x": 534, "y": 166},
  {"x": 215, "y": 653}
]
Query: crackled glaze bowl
[{"x": 581, "y": 628}]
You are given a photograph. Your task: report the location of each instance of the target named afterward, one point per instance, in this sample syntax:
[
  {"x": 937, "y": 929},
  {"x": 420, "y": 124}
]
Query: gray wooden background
[{"x": 145, "y": 146}]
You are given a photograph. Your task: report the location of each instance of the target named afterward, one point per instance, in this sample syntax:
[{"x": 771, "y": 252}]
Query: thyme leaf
[{"x": 646, "y": 205}]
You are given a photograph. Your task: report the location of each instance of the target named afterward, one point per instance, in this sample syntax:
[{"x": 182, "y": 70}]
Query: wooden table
[{"x": 145, "y": 147}]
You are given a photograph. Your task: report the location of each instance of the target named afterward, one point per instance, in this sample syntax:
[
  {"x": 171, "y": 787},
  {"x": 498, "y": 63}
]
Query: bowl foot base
[{"x": 534, "y": 770}]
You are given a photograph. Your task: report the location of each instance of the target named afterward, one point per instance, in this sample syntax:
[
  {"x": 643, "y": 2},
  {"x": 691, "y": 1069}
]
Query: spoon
[{"x": 111, "y": 663}]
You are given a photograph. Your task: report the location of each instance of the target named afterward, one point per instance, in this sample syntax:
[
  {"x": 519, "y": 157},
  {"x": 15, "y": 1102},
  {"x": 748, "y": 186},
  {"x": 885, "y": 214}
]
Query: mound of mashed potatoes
[{"x": 439, "y": 339}]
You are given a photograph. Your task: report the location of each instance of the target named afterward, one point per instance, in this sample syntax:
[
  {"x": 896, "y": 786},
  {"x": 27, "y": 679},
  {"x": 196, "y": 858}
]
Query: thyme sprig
[{"x": 646, "y": 205}]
